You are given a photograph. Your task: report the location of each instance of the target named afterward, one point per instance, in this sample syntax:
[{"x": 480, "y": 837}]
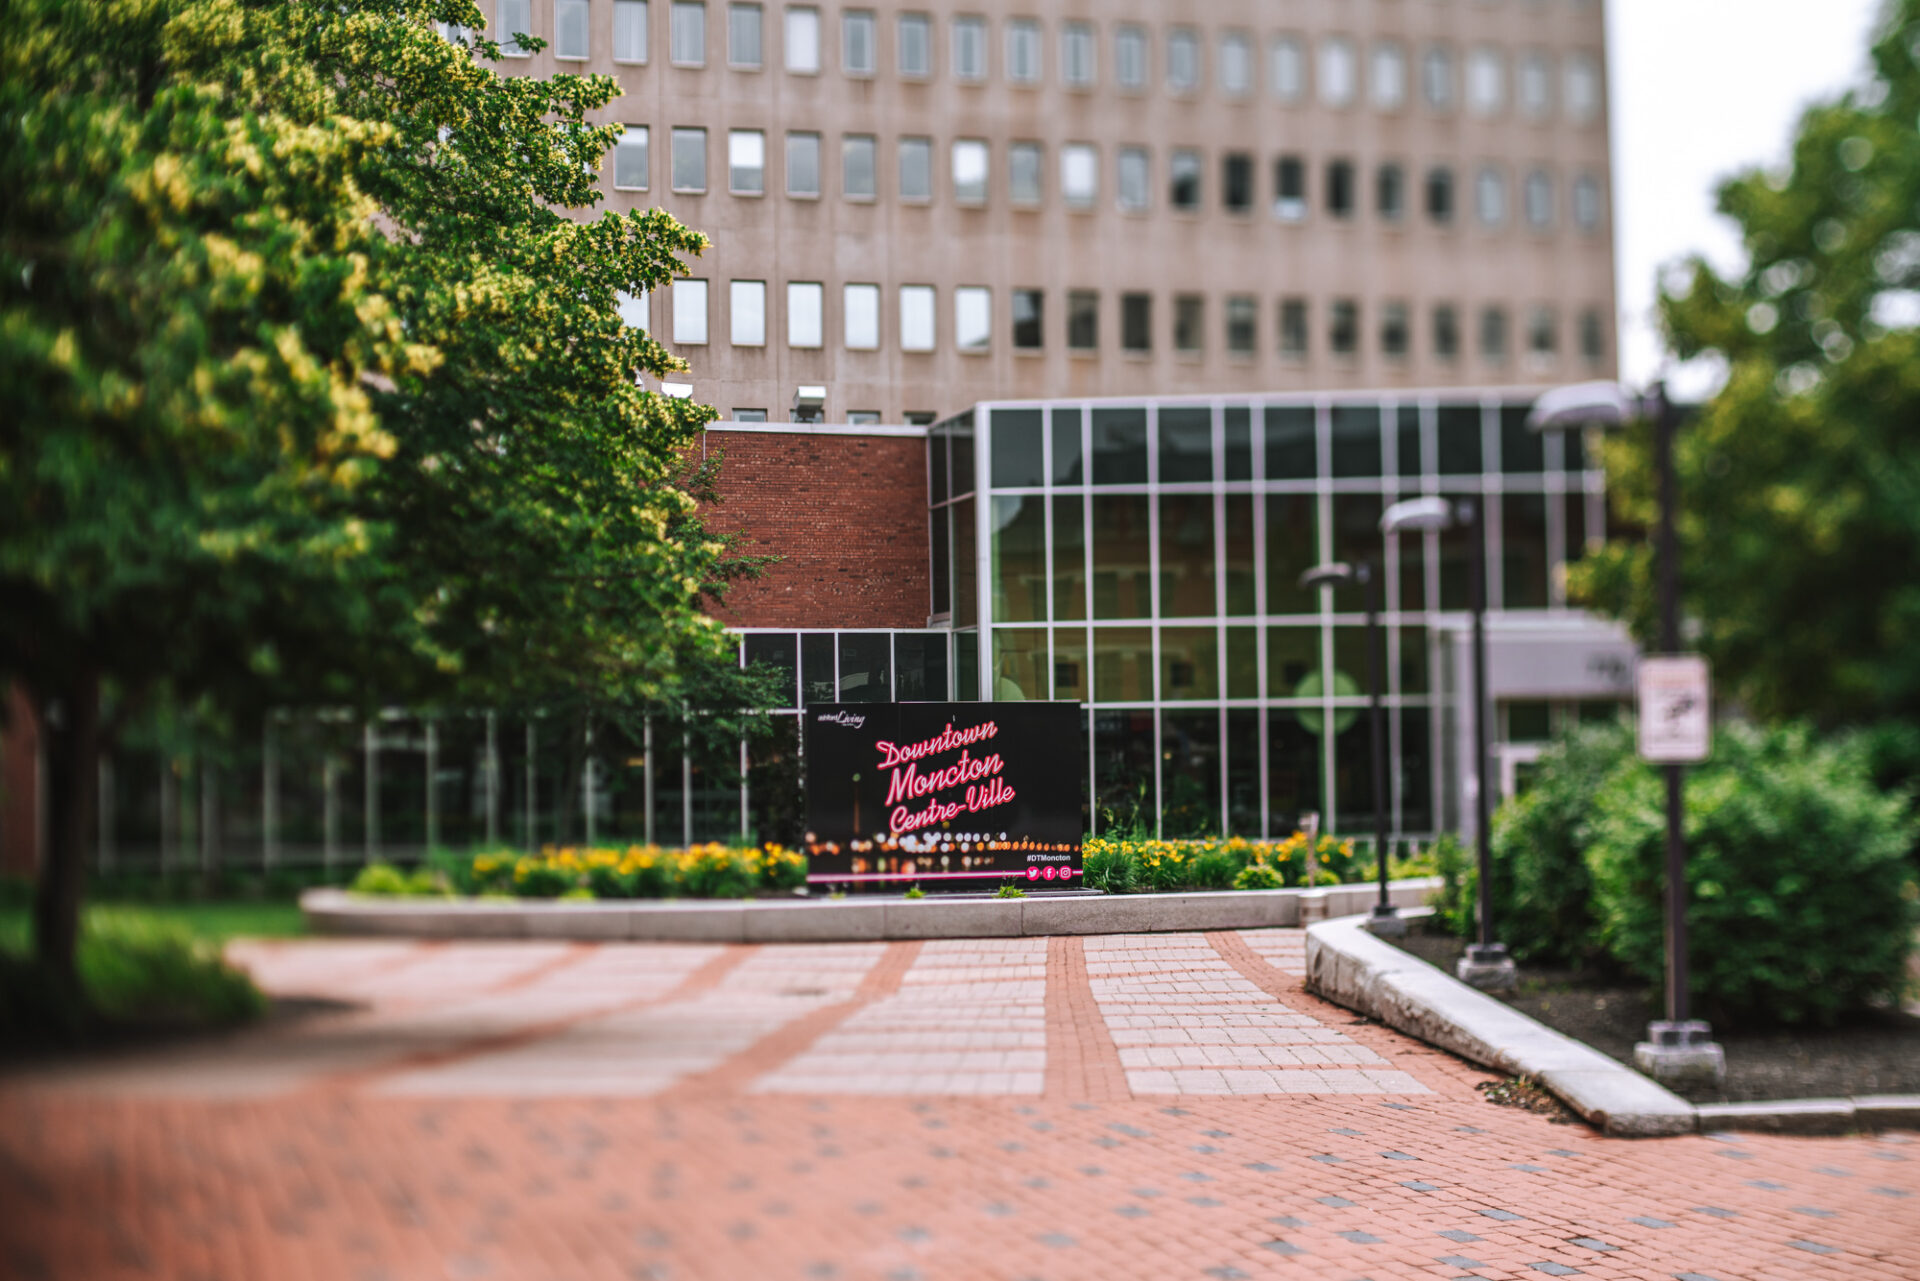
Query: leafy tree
[
  {"x": 317, "y": 385},
  {"x": 1800, "y": 480}
]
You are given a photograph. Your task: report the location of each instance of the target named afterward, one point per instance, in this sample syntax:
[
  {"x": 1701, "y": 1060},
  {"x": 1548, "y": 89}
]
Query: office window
[
  {"x": 803, "y": 41},
  {"x": 749, "y": 415},
  {"x": 1287, "y": 69},
  {"x": 630, "y": 159},
  {"x": 1582, "y": 91},
  {"x": 972, "y": 317},
  {"x": 863, "y": 418},
  {"x": 857, "y": 181},
  {"x": 1538, "y": 198},
  {"x": 1586, "y": 202},
  {"x": 1189, "y": 323},
  {"x": 1446, "y": 332},
  {"x": 1339, "y": 73},
  {"x": 743, "y": 36},
  {"x": 689, "y": 311},
  {"x": 1440, "y": 195},
  {"x": 970, "y": 171},
  {"x": 1390, "y": 192},
  {"x": 1236, "y": 64},
  {"x": 861, "y": 305},
  {"x": 916, "y": 169},
  {"x": 1183, "y": 60},
  {"x": 857, "y": 56},
  {"x": 1243, "y": 324},
  {"x": 1543, "y": 333},
  {"x": 1490, "y": 197},
  {"x": 806, "y": 321},
  {"x": 1486, "y": 81},
  {"x": 1183, "y": 178},
  {"x": 1236, "y": 182},
  {"x": 1133, "y": 178},
  {"x": 1079, "y": 175},
  {"x": 632, "y": 309},
  {"x": 1289, "y": 188},
  {"x": 1493, "y": 335},
  {"x": 629, "y": 30},
  {"x": 969, "y": 48},
  {"x": 689, "y": 159},
  {"x": 1389, "y": 76},
  {"x": 803, "y": 164},
  {"x": 516, "y": 19},
  {"x": 570, "y": 30},
  {"x": 1593, "y": 340},
  {"x": 1083, "y": 320},
  {"x": 1343, "y": 328},
  {"x": 746, "y": 162},
  {"x": 747, "y": 313},
  {"x": 454, "y": 33},
  {"x": 689, "y": 47},
  {"x": 1536, "y": 85},
  {"x": 1136, "y": 322},
  {"x": 1023, "y": 173},
  {"x": 1436, "y": 77},
  {"x": 1029, "y": 319},
  {"x": 916, "y": 318},
  {"x": 1077, "y": 56},
  {"x": 1130, "y": 57},
  {"x": 1394, "y": 339},
  {"x": 1023, "y": 51},
  {"x": 914, "y": 49},
  {"x": 1293, "y": 328},
  {"x": 1340, "y": 184}
]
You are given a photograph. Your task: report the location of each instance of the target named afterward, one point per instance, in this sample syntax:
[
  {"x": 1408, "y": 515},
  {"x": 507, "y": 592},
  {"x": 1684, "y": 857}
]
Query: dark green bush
[
  {"x": 380, "y": 878},
  {"x": 140, "y": 969},
  {"x": 1802, "y": 902},
  {"x": 1257, "y": 876},
  {"x": 1109, "y": 870},
  {"x": 1453, "y": 902}
]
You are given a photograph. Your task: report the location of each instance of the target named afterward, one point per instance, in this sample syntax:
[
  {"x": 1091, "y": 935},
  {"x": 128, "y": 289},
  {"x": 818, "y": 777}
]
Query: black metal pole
[
  {"x": 1477, "y": 588},
  {"x": 1669, "y": 570},
  {"x": 1376, "y": 681}
]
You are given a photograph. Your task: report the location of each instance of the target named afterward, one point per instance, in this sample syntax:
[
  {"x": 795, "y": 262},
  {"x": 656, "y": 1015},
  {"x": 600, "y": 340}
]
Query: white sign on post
[{"x": 1676, "y": 705}]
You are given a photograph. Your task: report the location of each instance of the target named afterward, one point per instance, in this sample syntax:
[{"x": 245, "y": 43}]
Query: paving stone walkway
[{"x": 1148, "y": 1106}]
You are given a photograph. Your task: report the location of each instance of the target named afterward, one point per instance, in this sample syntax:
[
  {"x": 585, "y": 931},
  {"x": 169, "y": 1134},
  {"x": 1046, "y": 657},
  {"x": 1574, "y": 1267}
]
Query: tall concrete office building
[{"x": 917, "y": 206}]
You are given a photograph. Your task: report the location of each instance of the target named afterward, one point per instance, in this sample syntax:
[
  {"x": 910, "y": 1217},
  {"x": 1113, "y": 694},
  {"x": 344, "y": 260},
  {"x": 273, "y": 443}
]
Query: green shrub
[
  {"x": 1452, "y": 903},
  {"x": 1801, "y": 900},
  {"x": 1009, "y": 891},
  {"x": 380, "y": 878},
  {"x": 914, "y": 892},
  {"x": 1215, "y": 869},
  {"x": 137, "y": 968},
  {"x": 1108, "y": 868},
  {"x": 1257, "y": 876},
  {"x": 542, "y": 878}
]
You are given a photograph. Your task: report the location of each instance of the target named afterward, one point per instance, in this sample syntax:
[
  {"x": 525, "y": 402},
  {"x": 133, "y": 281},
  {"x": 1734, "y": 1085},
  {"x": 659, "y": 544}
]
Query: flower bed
[{"x": 1142, "y": 866}]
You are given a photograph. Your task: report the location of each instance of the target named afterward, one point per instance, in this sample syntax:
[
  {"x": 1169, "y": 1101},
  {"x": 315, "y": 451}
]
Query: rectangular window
[
  {"x": 1136, "y": 322},
  {"x": 1543, "y": 333},
  {"x": 1586, "y": 202},
  {"x": 746, "y": 162},
  {"x": 630, "y": 160},
  {"x": 1486, "y": 81},
  {"x": 632, "y": 309},
  {"x": 747, "y": 313},
  {"x": 1339, "y": 72},
  {"x": 743, "y": 36},
  {"x": 1029, "y": 319},
  {"x": 570, "y": 30},
  {"x": 914, "y": 50},
  {"x": 1290, "y": 189},
  {"x": 629, "y": 30},
  {"x": 1436, "y": 77},
  {"x": 1537, "y": 196},
  {"x": 861, "y": 303},
  {"x": 1389, "y": 76},
  {"x": 1077, "y": 67},
  {"x": 1236, "y": 182},
  {"x": 1593, "y": 338},
  {"x": 1394, "y": 339},
  {"x": 803, "y": 41},
  {"x": 1023, "y": 173},
  {"x": 1440, "y": 196},
  {"x": 1236, "y": 64},
  {"x": 1446, "y": 332},
  {"x": 1493, "y": 335},
  {"x": 1079, "y": 175},
  {"x": 516, "y": 19},
  {"x": 1130, "y": 57},
  {"x": 690, "y": 160},
  {"x": 916, "y": 169},
  {"x": 969, "y": 48},
  {"x": 1490, "y": 196},
  {"x": 1023, "y": 51},
  {"x": 972, "y": 317},
  {"x": 689, "y": 311},
  {"x": 1183, "y": 179},
  {"x": 1083, "y": 320},
  {"x": 1133, "y": 179},
  {"x": 750, "y": 416},
  {"x": 1340, "y": 200},
  {"x": 1293, "y": 328},
  {"x": 1189, "y": 323},
  {"x": 1390, "y": 192},
  {"x": 1243, "y": 322},
  {"x": 803, "y": 164},
  {"x": 1343, "y": 329},
  {"x": 1183, "y": 60},
  {"x": 916, "y": 318},
  {"x": 857, "y": 56},
  {"x": 1287, "y": 69},
  {"x": 689, "y": 33},
  {"x": 970, "y": 171},
  {"x": 857, "y": 181},
  {"x": 806, "y": 305}
]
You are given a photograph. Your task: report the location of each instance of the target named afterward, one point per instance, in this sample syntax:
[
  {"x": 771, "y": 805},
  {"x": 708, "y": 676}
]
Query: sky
[{"x": 1702, "y": 89}]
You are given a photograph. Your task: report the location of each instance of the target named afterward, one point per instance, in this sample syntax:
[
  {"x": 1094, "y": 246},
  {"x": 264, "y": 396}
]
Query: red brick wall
[{"x": 848, "y": 514}]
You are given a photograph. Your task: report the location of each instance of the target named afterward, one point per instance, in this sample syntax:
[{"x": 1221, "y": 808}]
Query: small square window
[
  {"x": 1080, "y": 175},
  {"x": 857, "y": 56},
  {"x": 629, "y": 30},
  {"x": 972, "y": 317},
  {"x": 914, "y": 48},
  {"x": 743, "y": 36},
  {"x": 689, "y": 33},
  {"x": 916, "y": 169},
  {"x": 1023, "y": 173},
  {"x": 1029, "y": 319},
  {"x": 690, "y": 160},
  {"x": 746, "y": 162},
  {"x": 1343, "y": 328},
  {"x": 1136, "y": 322},
  {"x": 630, "y": 159},
  {"x": 857, "y": 178},
  {"x": 1083, "y": 320}
]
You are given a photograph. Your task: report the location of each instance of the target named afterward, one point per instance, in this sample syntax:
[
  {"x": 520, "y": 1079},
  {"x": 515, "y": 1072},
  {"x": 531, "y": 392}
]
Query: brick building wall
[{"x": 846, "y": 509}]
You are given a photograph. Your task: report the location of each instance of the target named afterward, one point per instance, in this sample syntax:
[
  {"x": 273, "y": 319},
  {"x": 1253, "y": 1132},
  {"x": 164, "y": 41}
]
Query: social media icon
[
  {"x": 1033, "y": 874},
  {"x": 1048, "y": 874}
]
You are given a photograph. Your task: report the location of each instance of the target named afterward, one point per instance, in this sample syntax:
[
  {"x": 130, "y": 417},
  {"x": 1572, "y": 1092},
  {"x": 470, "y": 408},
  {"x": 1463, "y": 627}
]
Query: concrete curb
[{"x": 840, "y": 920}]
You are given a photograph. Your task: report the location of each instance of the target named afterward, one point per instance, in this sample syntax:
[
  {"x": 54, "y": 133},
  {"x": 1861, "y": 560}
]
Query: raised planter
[{"x": 841, "y": 920}]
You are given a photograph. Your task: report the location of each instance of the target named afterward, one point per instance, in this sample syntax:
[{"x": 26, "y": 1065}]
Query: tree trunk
[{"x": 73, "y": 779}]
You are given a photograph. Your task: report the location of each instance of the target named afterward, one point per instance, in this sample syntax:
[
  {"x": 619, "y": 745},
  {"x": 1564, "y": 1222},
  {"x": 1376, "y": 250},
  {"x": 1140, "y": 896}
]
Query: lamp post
[
  {"x": 1678, "y": 1048},
  {"x": 1486, "y": 964},
  {"x": 1386, "y": 920}
]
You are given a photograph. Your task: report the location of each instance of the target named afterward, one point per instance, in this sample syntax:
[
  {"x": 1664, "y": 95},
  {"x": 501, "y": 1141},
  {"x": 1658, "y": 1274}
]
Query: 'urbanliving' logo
[{"x": 843, "y": 718}]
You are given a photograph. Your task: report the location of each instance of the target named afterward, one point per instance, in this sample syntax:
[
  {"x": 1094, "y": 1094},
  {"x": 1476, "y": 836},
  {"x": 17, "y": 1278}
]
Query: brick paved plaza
[{"x": 1155, "y": 1106}]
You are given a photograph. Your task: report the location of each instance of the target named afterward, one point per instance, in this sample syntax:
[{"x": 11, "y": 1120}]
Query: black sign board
[{"x": 944, "y": 795}]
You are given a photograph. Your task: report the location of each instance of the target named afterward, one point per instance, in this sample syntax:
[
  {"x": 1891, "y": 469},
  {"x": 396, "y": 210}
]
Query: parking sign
[{"x": 1676, "y": 704}]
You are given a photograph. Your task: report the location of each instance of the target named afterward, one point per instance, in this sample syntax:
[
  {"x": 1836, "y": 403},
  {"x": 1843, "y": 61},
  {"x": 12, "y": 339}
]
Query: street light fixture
[
  {"x": 1486, "y": 964},
  {"x": 1386, "y": 921},
  {"x": 1678, "y": 1048}
]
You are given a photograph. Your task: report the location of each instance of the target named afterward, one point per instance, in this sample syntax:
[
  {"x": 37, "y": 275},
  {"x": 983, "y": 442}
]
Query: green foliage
[
  {"x": 1256, "y": 876},
  {"x": 380, "y": 878},
  {"x": 1453, "y": 902},
  {"x": 1009, "y": 891},
  {"x": 914, "y": 892},
  {"x": 1107, "y": 868},
  {"x": 1801, "y": 901},
  {"x": 136, "y": 968}
]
